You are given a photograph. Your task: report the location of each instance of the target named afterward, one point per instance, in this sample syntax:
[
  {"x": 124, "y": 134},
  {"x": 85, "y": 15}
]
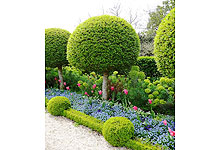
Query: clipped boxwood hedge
[
  {"x": 84, "y": 119},
  {"x": 148, "y": 65},
  {"x": 103, "y": 44},
  {"x": 136, "y": 145},
  {"x": 118, "y": 130},
  {"x": 164, "y": 45},
  {"x": 57, "y": 105}
]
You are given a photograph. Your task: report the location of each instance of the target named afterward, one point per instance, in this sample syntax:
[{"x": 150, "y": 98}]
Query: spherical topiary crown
[
  {"x": 55, "y": 47},
  {"x": 164, "y": 45},
  {"x": 103, "y": 44},
  {"x": 118, "y": 130},
  {"x": 57, "y": 105}
]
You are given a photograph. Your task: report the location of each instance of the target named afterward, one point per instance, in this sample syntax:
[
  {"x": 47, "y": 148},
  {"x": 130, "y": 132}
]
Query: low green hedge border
[
  {"x": 84, "y": 119},
  {"x": 97, "y": 125}
]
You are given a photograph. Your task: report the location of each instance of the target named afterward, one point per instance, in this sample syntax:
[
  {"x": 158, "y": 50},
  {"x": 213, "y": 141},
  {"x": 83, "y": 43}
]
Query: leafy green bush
[
  {"x": 118, "y": 130},
  {"x": 103, "y": 44},
  {"x": 84, "y": 119},
  {"x": 57, "y": 105},
  {"x": 136, "y": 145},
  {"x": 46, "y": 101},
  {"x": 55, "y": 47},
  {"x": 71, "y": 76},
  {"x": 148, "y": 65},
  {"x": 164, "y": 45}
]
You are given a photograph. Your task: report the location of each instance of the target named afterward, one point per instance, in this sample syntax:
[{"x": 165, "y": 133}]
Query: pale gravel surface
[{"x": 61, "y": 134}]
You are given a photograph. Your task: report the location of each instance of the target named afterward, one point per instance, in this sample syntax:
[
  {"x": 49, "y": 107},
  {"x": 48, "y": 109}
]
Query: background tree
[
  {"x": 55, "y": 49},
  {"x": 103, "y": 44}
]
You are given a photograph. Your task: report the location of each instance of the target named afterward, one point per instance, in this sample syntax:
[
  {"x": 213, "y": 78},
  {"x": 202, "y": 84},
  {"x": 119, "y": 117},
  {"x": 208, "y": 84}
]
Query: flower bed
[{"x": 145, "y": 128}]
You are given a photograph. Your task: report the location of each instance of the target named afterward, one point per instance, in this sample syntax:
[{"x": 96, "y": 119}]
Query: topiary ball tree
[
  {"x": 103, "y": 44},
  {"x": 57, "y": 105},
  {"x": 118, "y": 130},
  {"x": 164, "y": 45},
  {"x": 55, "y": 49}
]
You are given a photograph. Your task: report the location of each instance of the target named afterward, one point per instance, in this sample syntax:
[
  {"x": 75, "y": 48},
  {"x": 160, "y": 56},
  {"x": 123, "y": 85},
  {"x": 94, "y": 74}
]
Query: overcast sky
[{"x": 67, "y": 14}]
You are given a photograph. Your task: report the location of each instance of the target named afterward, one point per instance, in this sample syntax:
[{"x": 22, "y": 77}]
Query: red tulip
[
  {"x": 135, "y": 108},
  {"x": 150, "y": 101},
  {"x": 59, "y": 80},
  {"x": 64, "y": 83},
  {"x": 78, "y": 84},
  {"x": 112, "y": 88},
  {"x": 55, "y": 78},
  {"x": 110, "y": 99},
  {"x": 125, "y": 91},
  {"x": 172, "y": 133},
  {"x": 165, "y": 122},
  {"x": 100, "y": 92},
  {"x": 67, "y": 88}
]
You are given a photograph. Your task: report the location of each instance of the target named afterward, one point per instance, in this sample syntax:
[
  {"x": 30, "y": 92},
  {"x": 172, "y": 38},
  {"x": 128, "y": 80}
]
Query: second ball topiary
[
  {"x": 118, "y": 130},
  {"x": 57, "y": 105}
]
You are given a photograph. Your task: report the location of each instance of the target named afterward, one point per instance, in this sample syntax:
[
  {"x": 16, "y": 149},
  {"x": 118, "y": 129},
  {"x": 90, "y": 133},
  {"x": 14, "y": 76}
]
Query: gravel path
[{"x": 61, "y": 134}]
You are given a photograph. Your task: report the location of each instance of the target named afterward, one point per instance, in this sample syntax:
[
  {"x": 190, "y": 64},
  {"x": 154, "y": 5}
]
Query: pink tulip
[
  {"x": 86, "y": 93},
  {"x": 71, "y": 93},
  {"x": 92, "y": 91},
  {"x": 64, "y": 83},
  {"x": 59, "y": 80},
  {"x": 150, "y": 101},
  {"x": 112, "y": 88},
  {"x": 100, "y": 92},
  {"x": 45, "y": 81},
  {"x": 165, "y": 122},
  {"x": 172, "y": 133},
  {"x": 125, "y": 91},
  {"x": 67, "y": 88},
  {"x": 110, "y": 99},
  {"x": 94, "y": 86},
  {"x": 169, "y": 130},
  {"x": 78, "y": 84},
  {"x": 55, "y": 78},
  {"x": 135, "y": 108}
]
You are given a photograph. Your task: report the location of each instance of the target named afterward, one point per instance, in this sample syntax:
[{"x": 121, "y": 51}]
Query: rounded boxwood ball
[
  {"x": 118, "y": 130},
  {"x": 103, "y": 44},
  {"x": 55, "y": 47},
  {"x": 57, "y": 105},
  {"x": 164, "y": 45}
]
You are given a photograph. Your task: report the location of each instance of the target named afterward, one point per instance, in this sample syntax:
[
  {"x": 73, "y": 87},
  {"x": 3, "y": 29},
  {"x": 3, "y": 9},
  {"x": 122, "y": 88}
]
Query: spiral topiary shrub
[
  {"x": 55, "y": 49},
  {"x": 164, "y": 45},
  {"x": 57, "y": 105},
  {"x": 103, "y": 44},
  {"x": 118, "y": 130}
]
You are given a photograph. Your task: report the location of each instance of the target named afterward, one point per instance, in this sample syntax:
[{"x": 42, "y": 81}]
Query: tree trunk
[
  {"x": 105, "y": 86},
  {"x": 60, "y": 73}
]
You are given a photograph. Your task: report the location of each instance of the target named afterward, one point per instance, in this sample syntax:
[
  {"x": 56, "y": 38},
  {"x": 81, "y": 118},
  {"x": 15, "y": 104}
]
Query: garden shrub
[
  {"x": 136, "y": 145},
  {"x": 55, "y": 49},
  {"x": 46, "y": 101},
  {"x": 118, "y": 130},
  {"x": 103, "y": 44},
  {"x": 84, "y": 119},
  {"x": 57, "y": 105},
  {"x": 148, "y": 65},
  {"x": 164, "y": 45}
]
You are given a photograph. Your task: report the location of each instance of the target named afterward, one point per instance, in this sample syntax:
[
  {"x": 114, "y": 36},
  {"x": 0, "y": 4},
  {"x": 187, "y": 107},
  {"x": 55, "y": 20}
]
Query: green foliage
[
  {"x": 46, "y": 101},
  {"x": 71, "y": 76},
  {"x": 155, "y": 18},
  {"x": 103, "y": 44},
  {"x": 136, "y": 145},
  {"x": 164, "y": 45},
  {"x": 148, "y": 65},
  {"x": 55, "y": 47},
  {"x": 118, "y": 130},
  {"x": 84, "y": 119},
  {"x": 57, "y": 105}
]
